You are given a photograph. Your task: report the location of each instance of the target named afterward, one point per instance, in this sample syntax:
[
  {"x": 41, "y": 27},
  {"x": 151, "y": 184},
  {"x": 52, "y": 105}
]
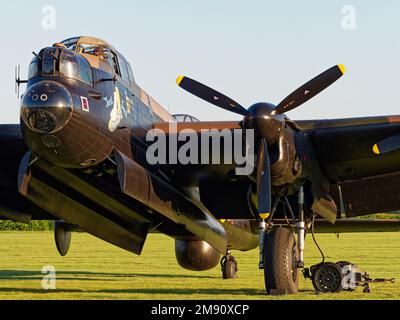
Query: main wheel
[
  {"x": 327, "y": 278},
  {"x": 280, "y": 262},
  {"x": 229, "y": 268}
]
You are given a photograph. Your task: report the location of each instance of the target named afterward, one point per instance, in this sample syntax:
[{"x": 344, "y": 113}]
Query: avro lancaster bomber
[{"x": 79, "y": 158}]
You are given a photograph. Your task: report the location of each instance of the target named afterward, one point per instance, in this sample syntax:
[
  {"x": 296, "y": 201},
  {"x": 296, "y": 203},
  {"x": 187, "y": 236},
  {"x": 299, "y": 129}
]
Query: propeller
[
  {"x": 387, "y": 145},
  {"x": 311, "y": 89},
  {"x": 264, "y": 181},
  {"x": 293, "y": 101},
  {"x": 210, "y": 95},
  {"x": 266, "y": 119}
]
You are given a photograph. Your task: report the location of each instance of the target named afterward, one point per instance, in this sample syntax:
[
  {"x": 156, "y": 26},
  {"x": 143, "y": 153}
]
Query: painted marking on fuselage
[
  {"x": 85, "y": 104},
  {"x": 129, "y": 103},
  {"x": 116, "y": 115},
  {"x": 122, "y": 107},
  {"x": 109, "y": 102}
]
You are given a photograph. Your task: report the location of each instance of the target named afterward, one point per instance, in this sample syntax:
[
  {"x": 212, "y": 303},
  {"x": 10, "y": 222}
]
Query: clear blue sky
[{"x": 251, "y": 50}]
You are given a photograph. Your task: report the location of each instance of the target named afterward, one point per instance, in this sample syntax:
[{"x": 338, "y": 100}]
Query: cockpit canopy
[
  {"x": 57, "y": 62},
  {"x": 185, "y": 118},
  {"x": 101, "y": 55},
  {"x": 74, "y": 58}
]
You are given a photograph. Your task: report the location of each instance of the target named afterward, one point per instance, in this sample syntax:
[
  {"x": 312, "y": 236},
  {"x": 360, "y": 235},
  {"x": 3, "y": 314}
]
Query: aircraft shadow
[
  {"x": 24, "y": 275},
  {"x": 90, "y": 276},
  {"x": 186, "y": 292},
  {"x": 39, "y": 291}
]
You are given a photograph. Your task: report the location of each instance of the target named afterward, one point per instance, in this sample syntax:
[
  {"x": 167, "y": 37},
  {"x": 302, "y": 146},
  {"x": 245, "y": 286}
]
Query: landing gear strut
[
  {"x": 229, "y": 266},
  {"x": 280, "y": 256}
]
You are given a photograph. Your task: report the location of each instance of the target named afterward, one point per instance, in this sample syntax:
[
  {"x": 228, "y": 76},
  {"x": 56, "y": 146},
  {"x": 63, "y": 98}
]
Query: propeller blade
[
  {"x": 387, "y": 145},
  {"x": 210, "y": 95},
  {"x": 264, "y": 181},
  {"x": 311, "y": 89}
]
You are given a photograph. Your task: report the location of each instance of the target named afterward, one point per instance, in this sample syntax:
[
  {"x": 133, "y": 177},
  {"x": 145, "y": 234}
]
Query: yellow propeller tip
[
  {"x": 179, "y": 80},
  {"x": 264, "y": 215},
  {"x": 342, "y": 68},
  {"x": 376, "y": 149}
]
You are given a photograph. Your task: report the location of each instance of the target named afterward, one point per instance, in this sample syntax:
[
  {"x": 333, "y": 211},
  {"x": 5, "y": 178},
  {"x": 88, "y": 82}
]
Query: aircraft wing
[
  {"x": 362, "y": 182},
  {"x": 368, "y": 182}
]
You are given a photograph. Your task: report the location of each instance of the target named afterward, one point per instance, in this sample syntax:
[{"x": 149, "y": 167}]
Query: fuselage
[{"x": 82, "y": 103}]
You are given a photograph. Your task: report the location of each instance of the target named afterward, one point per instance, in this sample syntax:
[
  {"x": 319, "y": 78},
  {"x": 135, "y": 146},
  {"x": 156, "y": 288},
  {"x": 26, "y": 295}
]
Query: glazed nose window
[{"x": 46, "y": 107}]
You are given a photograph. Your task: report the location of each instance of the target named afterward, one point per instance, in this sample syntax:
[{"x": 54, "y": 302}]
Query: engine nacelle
[{"x": 196, "y": 255}]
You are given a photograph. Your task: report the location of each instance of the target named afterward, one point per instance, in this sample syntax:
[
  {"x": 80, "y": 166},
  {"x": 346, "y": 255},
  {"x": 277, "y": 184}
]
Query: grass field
[{"x": 96, "y": 270}]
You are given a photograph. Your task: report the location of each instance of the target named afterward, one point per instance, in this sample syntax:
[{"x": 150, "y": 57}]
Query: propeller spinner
[{"x": 266, "y": 119}]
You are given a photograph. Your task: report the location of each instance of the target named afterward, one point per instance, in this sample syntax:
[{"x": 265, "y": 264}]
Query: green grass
[{"x": 96, "y": 270}]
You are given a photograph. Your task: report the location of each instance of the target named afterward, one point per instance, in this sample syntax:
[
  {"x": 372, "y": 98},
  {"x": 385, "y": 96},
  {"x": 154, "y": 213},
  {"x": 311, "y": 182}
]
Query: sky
[{"x": 253, "y": 51}]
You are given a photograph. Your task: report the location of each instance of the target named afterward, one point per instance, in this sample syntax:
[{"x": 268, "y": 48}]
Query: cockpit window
[
  {"x": 131, "y": 77},
  {"x": 71, "y": 43},
  {"x": 99, "y": 56},
  {"x": 124, "y": 69},
  {"x": 75, "y": 67}
]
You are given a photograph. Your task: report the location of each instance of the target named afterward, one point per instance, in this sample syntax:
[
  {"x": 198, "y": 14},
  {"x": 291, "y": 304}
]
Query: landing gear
[
  {"x": 229, "y": 267},
  {"x": 280, "y": 258},
  {"x": 62, "y": 236}
]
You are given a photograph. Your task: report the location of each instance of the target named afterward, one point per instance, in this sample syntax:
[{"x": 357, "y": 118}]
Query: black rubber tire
[
  {"x": 229, "y": 269},
  {"x": 280, "y": 257},
  {"x": 327, "y": 278}
]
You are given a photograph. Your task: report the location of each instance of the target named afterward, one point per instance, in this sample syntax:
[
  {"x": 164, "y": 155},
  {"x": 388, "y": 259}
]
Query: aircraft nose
[{"x": 46, "y": 107}]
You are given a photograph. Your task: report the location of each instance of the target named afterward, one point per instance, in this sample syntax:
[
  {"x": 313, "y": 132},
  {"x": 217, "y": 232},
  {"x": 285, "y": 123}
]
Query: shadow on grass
[
  {"x": 38, "y": 291},
  {"x": 185, "y": 292},
  {"x": 89, "y": 276},
  {"x": 172, "y": 291},
  {"x": 24, "y": 275}
]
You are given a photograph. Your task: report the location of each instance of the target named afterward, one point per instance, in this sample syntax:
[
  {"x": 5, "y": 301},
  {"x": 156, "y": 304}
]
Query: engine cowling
[{"x": 196, "y": 255}]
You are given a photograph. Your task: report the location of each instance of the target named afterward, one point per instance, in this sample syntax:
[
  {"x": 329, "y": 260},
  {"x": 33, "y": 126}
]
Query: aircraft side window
[
  {"x": 115, "y": 62},
  {"x": 131, "y": 77},
  {"x": 124, "y": 70}
]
